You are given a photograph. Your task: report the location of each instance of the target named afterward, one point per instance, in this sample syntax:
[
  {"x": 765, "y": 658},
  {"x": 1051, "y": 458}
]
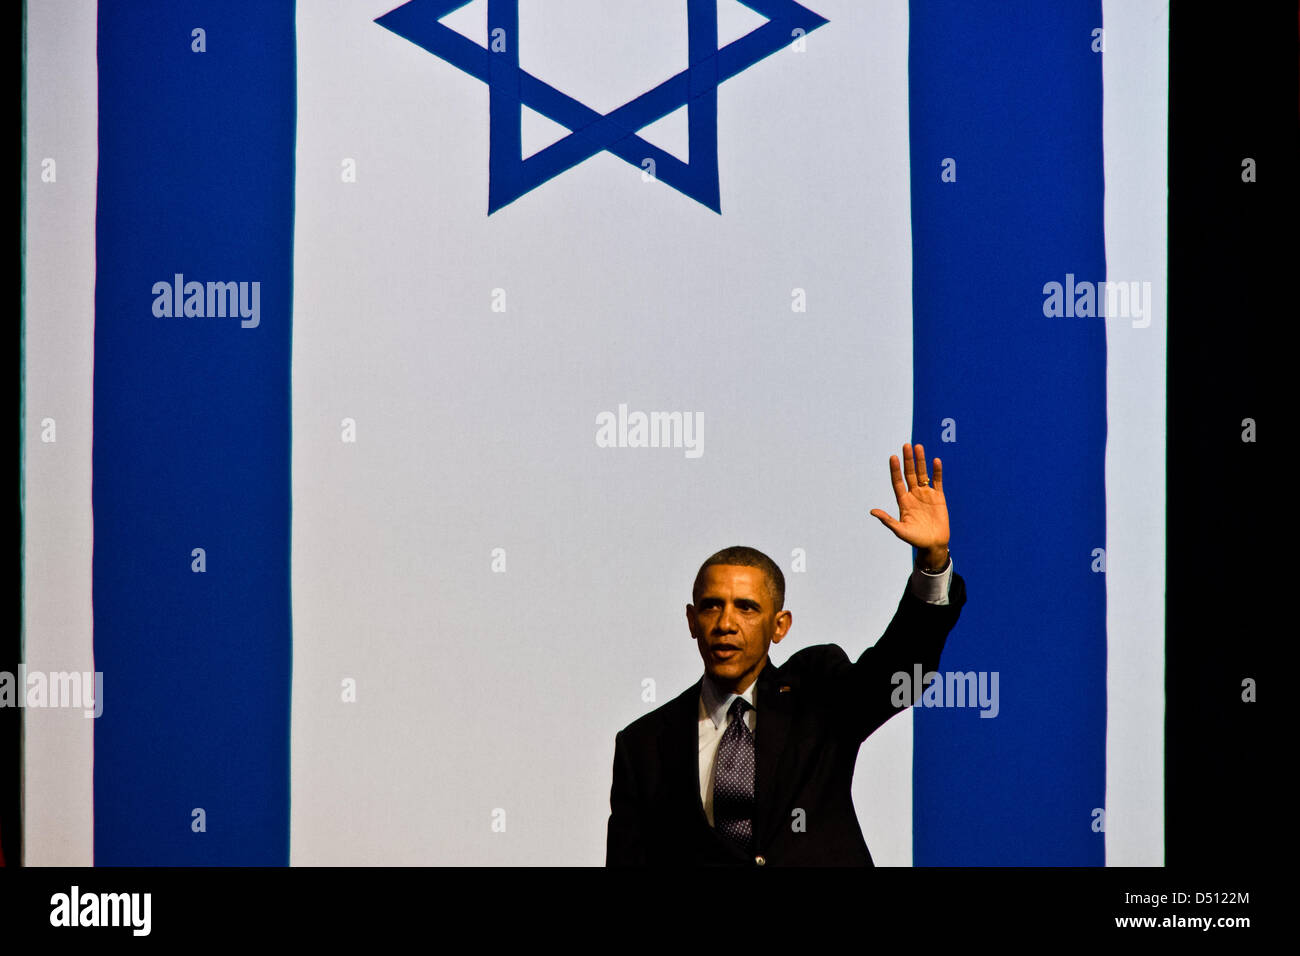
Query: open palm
[{"x": 922, "y": 511}]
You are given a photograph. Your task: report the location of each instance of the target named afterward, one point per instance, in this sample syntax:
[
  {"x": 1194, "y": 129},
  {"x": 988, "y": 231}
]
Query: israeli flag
[{"x": 390, "y": 368}]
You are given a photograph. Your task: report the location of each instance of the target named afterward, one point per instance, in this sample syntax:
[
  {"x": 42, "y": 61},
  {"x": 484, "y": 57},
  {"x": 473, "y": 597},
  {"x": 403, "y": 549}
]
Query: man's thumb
[{"x": 885, "y": 518}]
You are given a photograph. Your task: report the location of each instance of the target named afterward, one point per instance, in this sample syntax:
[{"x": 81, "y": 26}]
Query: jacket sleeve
[
  {"x": 872, "y": 689},
  {"x": 625, "y": 841}
]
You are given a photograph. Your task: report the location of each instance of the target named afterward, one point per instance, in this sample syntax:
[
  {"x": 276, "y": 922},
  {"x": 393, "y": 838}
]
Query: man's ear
[
  {"x": 783, "y": 621},
  {"x": 690, "y": 619}
]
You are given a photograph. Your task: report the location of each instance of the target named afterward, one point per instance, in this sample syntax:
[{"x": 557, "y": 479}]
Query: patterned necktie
[{"x": 733, "y": 779}]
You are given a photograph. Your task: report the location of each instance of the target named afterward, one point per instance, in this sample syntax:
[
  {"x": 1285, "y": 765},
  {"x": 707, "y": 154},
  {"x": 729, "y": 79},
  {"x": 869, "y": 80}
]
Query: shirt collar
[{"x": 717, "y": 701}]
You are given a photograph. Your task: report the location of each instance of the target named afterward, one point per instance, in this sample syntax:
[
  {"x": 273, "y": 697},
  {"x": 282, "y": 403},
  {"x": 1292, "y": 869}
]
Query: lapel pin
[{"x": 784, "y": 689}]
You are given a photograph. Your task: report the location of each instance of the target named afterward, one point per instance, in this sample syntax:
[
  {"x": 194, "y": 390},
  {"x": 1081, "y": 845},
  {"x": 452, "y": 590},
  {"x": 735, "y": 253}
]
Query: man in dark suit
[{"x": 753, "y": 764}]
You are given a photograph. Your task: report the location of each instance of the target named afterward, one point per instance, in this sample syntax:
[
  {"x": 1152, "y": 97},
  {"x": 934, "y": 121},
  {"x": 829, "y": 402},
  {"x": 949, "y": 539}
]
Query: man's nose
[{"x": 726, "y": 622}]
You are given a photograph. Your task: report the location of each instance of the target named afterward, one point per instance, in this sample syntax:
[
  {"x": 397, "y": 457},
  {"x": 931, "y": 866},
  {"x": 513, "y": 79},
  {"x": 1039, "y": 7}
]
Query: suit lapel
[
  {"x": 775, "y": 700},
  {"x": 679, "y": 754},
  {"x": 680, "y": 751}
]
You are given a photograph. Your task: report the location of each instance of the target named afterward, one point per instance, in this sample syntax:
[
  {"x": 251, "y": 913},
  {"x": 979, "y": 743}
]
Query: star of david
[{"x": 510, "y": 175}]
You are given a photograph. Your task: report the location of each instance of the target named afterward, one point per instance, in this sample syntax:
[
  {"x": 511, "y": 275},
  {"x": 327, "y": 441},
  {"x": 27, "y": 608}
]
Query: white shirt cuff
[{"x": 932, "y": 588}]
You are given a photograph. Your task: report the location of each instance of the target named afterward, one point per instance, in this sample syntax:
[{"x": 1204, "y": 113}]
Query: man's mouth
[{"x": 724, "y": 652}]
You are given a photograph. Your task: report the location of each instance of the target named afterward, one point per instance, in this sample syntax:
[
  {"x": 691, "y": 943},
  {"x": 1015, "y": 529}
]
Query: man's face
[{"x": 734, "y": 622}]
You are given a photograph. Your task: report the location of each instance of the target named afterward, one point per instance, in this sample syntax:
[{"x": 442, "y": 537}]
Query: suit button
[{"x": 760, "y": 861}]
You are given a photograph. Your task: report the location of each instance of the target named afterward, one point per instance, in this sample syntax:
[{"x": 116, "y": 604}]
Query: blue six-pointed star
[{"x": 510, "y": 89}]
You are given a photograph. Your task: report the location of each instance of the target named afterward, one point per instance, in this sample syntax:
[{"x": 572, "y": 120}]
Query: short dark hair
[{"x": 746, "y": 558}]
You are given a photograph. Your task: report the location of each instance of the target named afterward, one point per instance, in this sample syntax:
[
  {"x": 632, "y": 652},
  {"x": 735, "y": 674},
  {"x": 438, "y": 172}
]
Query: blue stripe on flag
[
  {"x": 192, "y": 434},
  {"x": 1012, "y": 92}
]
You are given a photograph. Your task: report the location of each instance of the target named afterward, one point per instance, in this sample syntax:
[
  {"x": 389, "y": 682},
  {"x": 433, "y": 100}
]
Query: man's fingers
[
  {"x": 938, "y": 474},
  {"x": 896, "y": 478},
  {"x": 909, "y": 467},
  {"x": 922, "y": 478}
]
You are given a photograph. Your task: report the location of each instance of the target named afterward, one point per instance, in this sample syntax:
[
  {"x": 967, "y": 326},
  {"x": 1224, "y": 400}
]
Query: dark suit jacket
[{"x": 813, "y": 712}]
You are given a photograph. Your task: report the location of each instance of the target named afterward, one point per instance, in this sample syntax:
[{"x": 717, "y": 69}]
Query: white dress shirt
[{"x": 716, "y": 703}]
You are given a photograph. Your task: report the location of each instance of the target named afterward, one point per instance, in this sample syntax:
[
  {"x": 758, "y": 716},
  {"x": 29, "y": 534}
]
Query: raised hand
[{"x": 922, "y": 511}]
